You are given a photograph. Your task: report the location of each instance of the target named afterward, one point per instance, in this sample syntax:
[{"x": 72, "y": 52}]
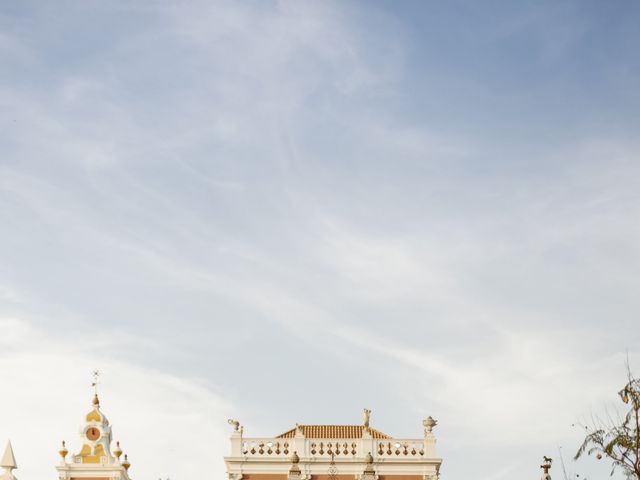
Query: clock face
[{"x": 93, "y": 433}]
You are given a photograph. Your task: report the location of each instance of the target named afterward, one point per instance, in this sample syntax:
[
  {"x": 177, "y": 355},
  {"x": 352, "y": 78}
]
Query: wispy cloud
[
  {"x": 392, "y": 201},
  {"x": 47, "y": 378}
]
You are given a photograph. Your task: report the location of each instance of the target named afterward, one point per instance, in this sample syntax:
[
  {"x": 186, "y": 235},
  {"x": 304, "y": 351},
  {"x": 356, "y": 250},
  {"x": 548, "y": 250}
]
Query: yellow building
[{"x": 95, "y": 460}]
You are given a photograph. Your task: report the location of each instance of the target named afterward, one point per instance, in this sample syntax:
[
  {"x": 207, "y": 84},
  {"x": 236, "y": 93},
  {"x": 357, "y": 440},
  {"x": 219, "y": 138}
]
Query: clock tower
[{"x": 95, "y": 461}]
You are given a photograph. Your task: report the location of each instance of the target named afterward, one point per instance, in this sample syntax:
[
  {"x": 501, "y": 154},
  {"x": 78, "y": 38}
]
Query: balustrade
[{"x": 338, "y": 448}]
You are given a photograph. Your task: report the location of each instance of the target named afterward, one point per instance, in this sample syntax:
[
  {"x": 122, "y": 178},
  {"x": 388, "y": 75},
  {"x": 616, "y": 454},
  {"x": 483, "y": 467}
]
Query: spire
[
  {"x": 8, "y": 463},
  {"x": 8, "y": 459}
]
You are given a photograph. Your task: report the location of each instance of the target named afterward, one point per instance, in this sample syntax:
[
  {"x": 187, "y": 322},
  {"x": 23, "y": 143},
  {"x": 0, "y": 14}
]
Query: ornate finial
[
  {"x": 8, "y": 461},
  {"x": 95, "y": 374},
  {"x": 235, "y": 424},
  {"x": 118, "y": 451},
  {"x": 429, "y": 423},
  {"x": 366, "y": 415},
  {"x": 295, "y": 468},
  {"x": 63, "y": 451},
  {"x": 126, "y": 464},
  {"x": 369, "y": 460}
]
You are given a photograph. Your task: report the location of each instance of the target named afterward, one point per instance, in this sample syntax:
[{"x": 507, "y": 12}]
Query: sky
[{"x": 288, "y": 211}]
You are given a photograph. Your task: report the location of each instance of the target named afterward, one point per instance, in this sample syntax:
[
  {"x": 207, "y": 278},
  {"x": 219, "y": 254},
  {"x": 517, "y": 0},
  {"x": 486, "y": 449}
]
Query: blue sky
[{"x": 289, "y": 211}]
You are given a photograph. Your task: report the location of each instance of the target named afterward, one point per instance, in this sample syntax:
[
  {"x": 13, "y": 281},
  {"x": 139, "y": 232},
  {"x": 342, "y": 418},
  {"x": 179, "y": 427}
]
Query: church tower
[{"x": 95, "y": 461}]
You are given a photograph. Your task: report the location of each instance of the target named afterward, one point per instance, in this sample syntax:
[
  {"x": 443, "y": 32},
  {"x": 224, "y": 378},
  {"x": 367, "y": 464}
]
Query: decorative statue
[
  {"x": 429, "y": 423},
  {"x": 366, "y": 414},
  {"x": 545, "y": 467},
  {"x": 235, "y": 424}
]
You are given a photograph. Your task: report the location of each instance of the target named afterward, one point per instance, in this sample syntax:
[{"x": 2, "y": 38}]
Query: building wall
[
  {"x": 90, "y": 478},
  {"x": 264, "y": 476},
  {"x": 382, "y": 477},
  {"x": 326, "y": 477},
  {"x": 400, "y": 477}
]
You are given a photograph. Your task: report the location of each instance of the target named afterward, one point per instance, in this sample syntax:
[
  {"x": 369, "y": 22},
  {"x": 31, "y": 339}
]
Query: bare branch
[{"x": 617, "y": 437}]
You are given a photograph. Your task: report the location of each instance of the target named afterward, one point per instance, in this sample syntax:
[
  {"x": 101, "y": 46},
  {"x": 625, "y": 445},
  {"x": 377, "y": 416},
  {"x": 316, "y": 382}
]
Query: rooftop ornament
[
  {"x": 546, "y": 466},
  {"x": 369, "y": 468},
  {"x": 366, "y": 415},
  {"x": 63, "y": 451},
  {"x": 126, "y": 464},
  {"x": 8, "y": 463},
  {"x": 235, "y": 424},
  {"x": 295, "y": 468},
  {"x": 118, "y": 451},
  {"x": 429, "y": 423}
]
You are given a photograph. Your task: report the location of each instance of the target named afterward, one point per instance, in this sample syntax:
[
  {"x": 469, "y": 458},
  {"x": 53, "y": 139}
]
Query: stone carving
[
  {"x": 235, "y": 424},
  {"x": 294, "y": 471},
  {"x": 545, "y": 467},
  {"x": 429, "y": 423},
  {"x": 366, "y": 415},
  {"x": 369, "y": 461}
]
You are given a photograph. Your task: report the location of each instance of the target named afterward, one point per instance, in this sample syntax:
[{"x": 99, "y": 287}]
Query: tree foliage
[{"x": 618, "y": 438}]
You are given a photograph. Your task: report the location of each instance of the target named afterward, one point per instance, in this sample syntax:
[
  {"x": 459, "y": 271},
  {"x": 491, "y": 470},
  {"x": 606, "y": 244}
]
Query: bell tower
[{"x": 95, "y": 460}]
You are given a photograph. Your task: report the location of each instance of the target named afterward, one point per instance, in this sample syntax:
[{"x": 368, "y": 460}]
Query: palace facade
[
  {"x": 304, "y": 452},
  {"x": 333, "y": 452}
]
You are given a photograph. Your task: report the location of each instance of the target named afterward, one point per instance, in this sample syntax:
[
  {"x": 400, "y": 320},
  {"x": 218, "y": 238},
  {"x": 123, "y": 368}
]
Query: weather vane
[{"x": 94, "y": 384}]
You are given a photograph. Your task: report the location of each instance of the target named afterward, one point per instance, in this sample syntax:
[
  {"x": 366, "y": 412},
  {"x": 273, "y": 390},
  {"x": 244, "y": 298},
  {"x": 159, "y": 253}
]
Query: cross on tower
[{"x": 95, "y": 374}]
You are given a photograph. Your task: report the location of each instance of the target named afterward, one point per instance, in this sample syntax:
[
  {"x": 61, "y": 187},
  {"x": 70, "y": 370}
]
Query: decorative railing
[
  {"x": 327, "y": 448},
  {"x": 400, "y": 448},
  {"x": 333, "y": 448},
  {"x": 265, "y": 447}
]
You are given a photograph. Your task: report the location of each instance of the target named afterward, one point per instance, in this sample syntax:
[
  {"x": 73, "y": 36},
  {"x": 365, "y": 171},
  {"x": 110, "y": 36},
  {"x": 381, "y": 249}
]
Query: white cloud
[
  {"x": 266, "y": 176},
  {"x": 170, "y": 426}
]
